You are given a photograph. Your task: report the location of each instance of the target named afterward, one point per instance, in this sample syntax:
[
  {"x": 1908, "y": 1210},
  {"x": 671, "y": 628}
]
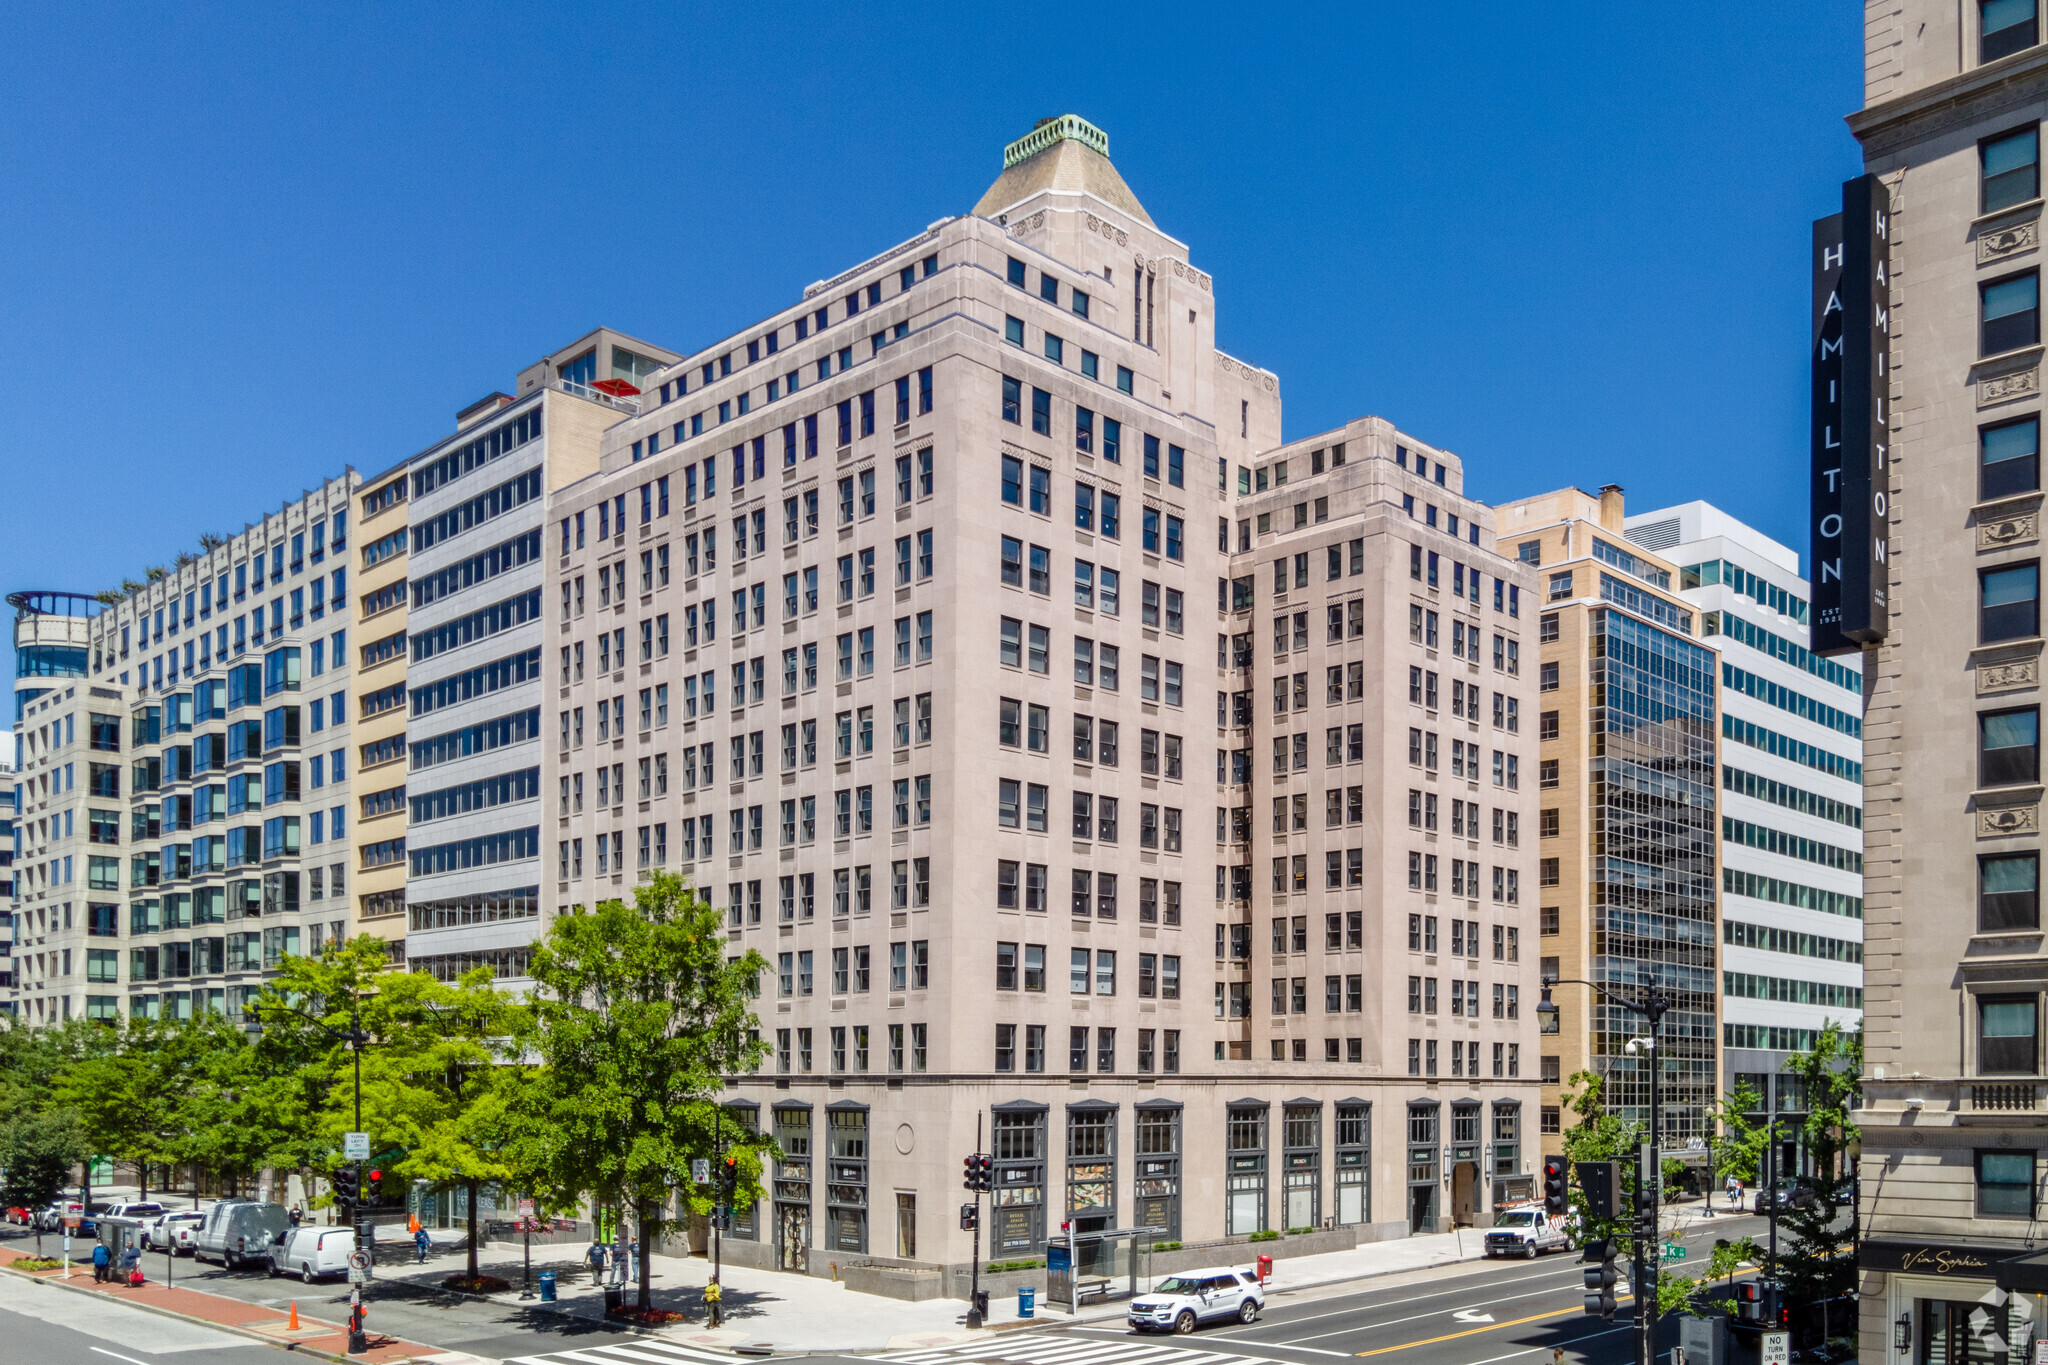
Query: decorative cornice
[{"x": 1951, "y": 104}]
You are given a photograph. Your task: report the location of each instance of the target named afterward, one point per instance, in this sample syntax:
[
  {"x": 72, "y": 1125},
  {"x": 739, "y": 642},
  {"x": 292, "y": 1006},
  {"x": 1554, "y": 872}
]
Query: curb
[{"x": 231, "y": 1329}]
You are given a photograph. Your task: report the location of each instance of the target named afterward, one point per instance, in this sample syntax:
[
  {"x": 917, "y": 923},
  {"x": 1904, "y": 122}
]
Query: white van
[
  {"x": 238, "y": 1231},
  {"x": 310, "y": 1252},
  {"x": 1526, "y": 1230}
]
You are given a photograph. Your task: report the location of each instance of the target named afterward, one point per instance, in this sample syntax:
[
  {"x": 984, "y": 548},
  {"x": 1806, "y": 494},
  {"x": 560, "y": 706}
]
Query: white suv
[{"x": 1179, "y": 1302}]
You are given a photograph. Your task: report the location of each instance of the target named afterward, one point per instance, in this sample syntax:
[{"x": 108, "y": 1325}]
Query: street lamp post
[{"x": 1650, "y": 1179}]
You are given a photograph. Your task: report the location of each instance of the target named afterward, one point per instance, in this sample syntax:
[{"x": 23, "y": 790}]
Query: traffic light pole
[
  {"x": 974, "y": 1290},
  {"x": 1650, "y": 1173}
]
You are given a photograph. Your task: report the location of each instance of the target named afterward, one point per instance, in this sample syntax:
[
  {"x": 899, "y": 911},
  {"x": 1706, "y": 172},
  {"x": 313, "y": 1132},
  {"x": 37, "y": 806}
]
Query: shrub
[{"x": 1269, "y": 1235}]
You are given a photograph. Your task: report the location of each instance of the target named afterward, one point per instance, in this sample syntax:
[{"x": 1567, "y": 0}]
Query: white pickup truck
[{"x": 1525, "y": 1230}]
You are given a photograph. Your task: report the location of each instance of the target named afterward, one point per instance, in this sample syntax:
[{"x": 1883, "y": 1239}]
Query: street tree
[
  {"x": 1819, "y": 1264},
  {"x": 1737, "y": 1141},
  {"x": 38, "y": 1150},
  {"x": 635, "y": 1020}
]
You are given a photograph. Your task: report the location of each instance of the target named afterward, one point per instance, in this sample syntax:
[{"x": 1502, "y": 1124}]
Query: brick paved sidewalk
[{"x": 215, "y": 1310}]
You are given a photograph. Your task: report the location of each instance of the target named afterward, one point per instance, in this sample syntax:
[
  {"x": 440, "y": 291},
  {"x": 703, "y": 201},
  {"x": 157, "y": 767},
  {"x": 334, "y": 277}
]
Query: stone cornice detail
[{"x": 1947, "y": 105}]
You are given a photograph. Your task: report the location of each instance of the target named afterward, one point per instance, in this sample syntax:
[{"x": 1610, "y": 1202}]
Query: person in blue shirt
[
  {"x": 420, "y": 1241},
  {"x": 100, "y": 1261}
]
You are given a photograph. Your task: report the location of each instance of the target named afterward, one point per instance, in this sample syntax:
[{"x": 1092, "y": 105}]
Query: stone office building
[
  {"x": 1955, "y": 971},
  {"x": 930, "y": 627}
]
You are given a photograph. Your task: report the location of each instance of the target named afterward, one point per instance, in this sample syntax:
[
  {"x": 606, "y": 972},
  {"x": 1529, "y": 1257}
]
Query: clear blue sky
[{"x": 247, "y": 245}]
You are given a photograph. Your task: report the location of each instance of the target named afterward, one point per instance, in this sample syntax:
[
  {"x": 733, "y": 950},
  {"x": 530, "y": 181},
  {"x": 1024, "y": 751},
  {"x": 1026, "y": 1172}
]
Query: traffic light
[
  {"x": 1556, "y": 1198},
  {"x": 970, "y": 1217},
  {"x": 373, "y": 1187},
  {"x": 346, "y": 1183},
  {"x": 1600, "y": 1277},
  {"x": 978, "y": 1173},
  {"x": 729, "y": 1176}
]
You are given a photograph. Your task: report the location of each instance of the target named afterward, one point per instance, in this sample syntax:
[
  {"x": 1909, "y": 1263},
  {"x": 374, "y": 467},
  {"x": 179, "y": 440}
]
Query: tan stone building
[
  {"x": 1626, "y": 829},
  {"x": 1955, "y": 968},
  {"x": 889, "y": 622}
]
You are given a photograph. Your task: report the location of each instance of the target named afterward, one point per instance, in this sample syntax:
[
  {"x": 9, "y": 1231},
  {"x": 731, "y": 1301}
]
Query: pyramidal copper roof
[{"x": 1067, "y": 153}]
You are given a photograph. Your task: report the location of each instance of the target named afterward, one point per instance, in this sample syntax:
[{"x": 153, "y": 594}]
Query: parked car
[
  {"x": 311, "y": 1252},
  {"x": 145, "y": 1209},
  {"x": 1525, "y": 1230},
  {"x": 162, "y": 1231},
  {"x": 238, "y": 1231},
  {"x": 1179, "y": 1303},
  {"x": 1786, "y": 1192},
  {"x": 18, "y": 1214}
]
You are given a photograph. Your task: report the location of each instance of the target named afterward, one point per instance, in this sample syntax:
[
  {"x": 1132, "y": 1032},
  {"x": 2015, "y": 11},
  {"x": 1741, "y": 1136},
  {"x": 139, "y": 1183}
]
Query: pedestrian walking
[
  {"x": 419, "y": 1241},
  {"x": 714, "y": 1296},
  {"x": 296, "y": 1214},
  {"x": 1734, "y": 1191},
  {"x": 595, "y": 1256},
  {"x": 100, "y": 1262}
]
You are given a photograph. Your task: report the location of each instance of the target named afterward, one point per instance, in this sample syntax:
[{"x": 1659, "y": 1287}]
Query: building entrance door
[
  {"x": 1465, "y": 1194},
  {"x": 793, "y": 1238},
  {"x": 1422, "y": 1208}
]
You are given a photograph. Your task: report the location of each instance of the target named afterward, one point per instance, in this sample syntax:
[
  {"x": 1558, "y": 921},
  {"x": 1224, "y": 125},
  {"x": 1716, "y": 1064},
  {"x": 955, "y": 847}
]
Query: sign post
[{"x": 1777, "y": 1349}]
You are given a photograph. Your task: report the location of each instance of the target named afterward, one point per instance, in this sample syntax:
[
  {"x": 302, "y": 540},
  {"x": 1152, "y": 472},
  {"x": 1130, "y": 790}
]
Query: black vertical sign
[{"x": 1851, "y": 419}]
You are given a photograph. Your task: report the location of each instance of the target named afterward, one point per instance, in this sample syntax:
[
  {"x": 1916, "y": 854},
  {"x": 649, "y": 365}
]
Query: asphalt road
[{"x": 51, "y": 1326}]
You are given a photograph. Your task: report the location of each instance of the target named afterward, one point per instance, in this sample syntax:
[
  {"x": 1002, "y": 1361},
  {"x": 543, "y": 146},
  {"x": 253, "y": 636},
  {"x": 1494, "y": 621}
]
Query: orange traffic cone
[{"x": 293, "y": 1325}]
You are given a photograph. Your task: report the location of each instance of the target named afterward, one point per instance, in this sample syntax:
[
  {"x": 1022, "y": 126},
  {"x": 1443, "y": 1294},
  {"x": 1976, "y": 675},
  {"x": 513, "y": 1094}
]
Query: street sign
[
  {"x": 700, "y": 1170},
  {"x": 1777, "y": 1348},
  {"x": 1673, "y": 1251},
  {"x": 357, "y": 1276},
  {"x": 355, "y": 1146},
  {"x": 524, "y": 1208},
  {"x": 359, "y": 1260}
]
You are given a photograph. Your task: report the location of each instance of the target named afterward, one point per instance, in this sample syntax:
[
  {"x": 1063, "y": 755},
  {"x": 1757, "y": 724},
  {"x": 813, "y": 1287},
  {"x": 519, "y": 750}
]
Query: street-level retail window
[
  {"x": 846, "y": 1189},
  {"x": 1156, "y": 1134},
  {"x": 1354, "y": 1163},
  {"x": 1245, "y": 1209},
  {"x": 1302, "y": 1140}
]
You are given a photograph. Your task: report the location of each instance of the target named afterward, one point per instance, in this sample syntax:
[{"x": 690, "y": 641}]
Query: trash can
[
  {"x": 547, "y": 1286},
  {"x": 1265, "y": 1268},
  {"x": 614, "y": 1299},
  {"x": 1027, "y": 1301}
]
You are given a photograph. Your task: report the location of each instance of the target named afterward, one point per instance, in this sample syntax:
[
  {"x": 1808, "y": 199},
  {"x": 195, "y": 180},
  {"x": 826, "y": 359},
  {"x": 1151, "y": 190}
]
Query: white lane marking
[
  {"x": 115, "y": 1354},
  {"x": 1395, "y": 1303},
  {"x": 1471, "y": 1315},
  {"x": 1413, "y": 1317}
]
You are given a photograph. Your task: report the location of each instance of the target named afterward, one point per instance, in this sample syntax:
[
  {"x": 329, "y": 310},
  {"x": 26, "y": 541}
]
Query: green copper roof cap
[{"x": 1049, "y": 131}]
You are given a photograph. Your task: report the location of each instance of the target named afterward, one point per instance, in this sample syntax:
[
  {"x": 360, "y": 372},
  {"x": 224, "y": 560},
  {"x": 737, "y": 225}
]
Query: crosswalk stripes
[
  {"x": 1056, "y": 1350},
  {"x": 645, "y": 1351}
]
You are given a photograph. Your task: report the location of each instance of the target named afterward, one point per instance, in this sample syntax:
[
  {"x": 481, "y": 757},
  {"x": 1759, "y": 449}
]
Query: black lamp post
[
  {"x": 1652, "y": 1006},
  {"x": 357, "y": 1040}
]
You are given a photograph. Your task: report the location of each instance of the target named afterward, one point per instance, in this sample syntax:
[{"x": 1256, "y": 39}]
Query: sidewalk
[{"x": 246, "y": 1319}]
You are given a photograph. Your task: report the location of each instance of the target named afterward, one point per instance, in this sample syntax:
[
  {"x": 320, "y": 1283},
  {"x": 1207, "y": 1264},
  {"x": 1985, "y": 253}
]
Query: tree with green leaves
[
  {"x": 1736, "y": 1141},
  {"x": 1820, "y": 1264},
  {"x": 636, "y": 1018},
  {"x": 435, "y": 1080},
  {"x": 39, "y": 1148}
]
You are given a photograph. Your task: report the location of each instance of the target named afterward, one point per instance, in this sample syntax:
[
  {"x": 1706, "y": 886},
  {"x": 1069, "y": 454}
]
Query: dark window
[
  {"x": 2009, "y": 26},
  {"x": 1041, "y": 412},
  {"x": 2009, "y": 747},
  {"x": 2011, "y": 312},
  {"x": 2012, "y": 168},
  {"x": 2011, "y": 458},
  {"x": 2008, "y": 1025},
  {"x": 1013, "y": 400},
  {"x": 2008, "y": 892},
  {"x": 2009, "y": 604},
  {"x": 2005, "y": 1183}
]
